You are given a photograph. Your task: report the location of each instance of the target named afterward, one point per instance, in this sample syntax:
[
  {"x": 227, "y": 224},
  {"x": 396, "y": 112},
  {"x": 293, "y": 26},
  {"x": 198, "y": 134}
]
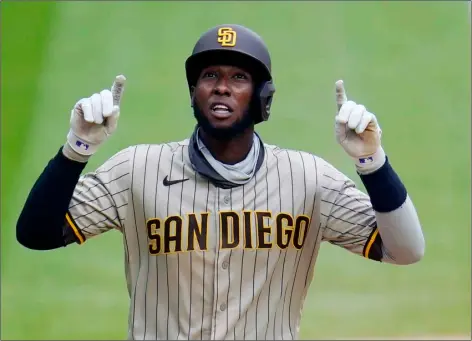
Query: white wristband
[{"x": 370, "y": 163}]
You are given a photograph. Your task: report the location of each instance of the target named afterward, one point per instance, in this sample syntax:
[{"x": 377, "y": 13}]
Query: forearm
[
  {"x": 402, "y": 237},
  {"x": 397, "y": 219},
  {"x": 40, "y": 224}
]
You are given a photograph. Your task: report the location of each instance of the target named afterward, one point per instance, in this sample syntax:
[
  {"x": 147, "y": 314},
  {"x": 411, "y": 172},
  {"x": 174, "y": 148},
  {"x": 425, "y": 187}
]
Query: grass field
[{"x": 409, "y": 62}]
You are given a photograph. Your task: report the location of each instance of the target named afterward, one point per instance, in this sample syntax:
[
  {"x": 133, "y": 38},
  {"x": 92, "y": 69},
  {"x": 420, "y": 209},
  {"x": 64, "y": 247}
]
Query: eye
[
  {"x": 209, "y": 74},
  {"x": 240, "y": 76}
]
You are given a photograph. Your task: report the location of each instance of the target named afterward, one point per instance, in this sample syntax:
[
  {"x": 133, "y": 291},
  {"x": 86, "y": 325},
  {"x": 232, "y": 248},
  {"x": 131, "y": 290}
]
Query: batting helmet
[{"x": 235, "y": 45}]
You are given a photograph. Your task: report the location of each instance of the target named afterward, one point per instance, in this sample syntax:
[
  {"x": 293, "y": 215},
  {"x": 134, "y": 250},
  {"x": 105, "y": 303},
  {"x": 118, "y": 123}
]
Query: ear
[{"x": 192, "y": 96}]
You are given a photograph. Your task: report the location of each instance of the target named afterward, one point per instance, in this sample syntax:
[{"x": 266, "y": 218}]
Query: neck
[{"x": 229, "y": 151}]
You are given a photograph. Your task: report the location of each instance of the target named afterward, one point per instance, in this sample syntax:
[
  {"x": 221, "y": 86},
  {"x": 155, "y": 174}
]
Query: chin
[
  {"x": 224, "y": 129},
  {"x": 222, "y": 124},
  {"x": 220, "y": 130}
]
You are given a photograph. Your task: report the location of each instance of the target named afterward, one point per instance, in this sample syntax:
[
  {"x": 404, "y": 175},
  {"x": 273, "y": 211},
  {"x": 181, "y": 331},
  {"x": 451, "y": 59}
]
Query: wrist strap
[
  {"x": 370, "y": 163},
  {"x": 81, "y": 146},
  {"x": 71, "y": 154}
]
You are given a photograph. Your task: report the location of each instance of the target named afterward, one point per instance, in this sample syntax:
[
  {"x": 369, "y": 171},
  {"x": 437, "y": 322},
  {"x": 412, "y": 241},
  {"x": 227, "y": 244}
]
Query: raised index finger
[
  {"x": 341, "y": 97},
  {"x": 117, "y": 89}
]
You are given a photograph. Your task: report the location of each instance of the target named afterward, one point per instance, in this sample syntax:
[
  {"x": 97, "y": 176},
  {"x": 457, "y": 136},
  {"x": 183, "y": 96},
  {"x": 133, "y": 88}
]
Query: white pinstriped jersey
[{"x": 209, "y": 263}]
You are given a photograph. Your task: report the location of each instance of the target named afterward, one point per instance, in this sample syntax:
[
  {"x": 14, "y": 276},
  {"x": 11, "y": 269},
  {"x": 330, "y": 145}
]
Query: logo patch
[
  {"x": 227, "y": 37},
  {"x": 80, "y": 144},
  {"x": 166, "y": 182}
]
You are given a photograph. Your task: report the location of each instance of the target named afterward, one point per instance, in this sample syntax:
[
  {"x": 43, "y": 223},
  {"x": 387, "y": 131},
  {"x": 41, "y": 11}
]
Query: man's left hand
[{"x": 358, "y": 132}]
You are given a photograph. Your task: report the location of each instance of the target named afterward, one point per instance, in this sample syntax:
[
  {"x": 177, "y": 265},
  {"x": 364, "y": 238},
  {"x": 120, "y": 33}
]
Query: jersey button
[
  {"x": 224, "y": 265},
  {"x": 226, "y": 200},
  {"x": 223, "y": 306}
]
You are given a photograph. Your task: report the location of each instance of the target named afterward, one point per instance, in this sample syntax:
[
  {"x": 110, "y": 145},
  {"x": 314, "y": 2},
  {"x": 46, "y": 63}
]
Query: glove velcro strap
[
  {"x": 370, "y": 163},
  {"x": 81, "y": 146}
]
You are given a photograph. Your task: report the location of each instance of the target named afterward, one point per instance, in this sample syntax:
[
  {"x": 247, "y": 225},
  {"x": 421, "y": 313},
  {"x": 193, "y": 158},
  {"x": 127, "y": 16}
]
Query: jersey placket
[{"x": 220, "y": 306}]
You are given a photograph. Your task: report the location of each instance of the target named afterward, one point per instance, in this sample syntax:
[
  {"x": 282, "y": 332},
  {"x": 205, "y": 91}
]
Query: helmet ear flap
[{"x": 266, "y": 94}]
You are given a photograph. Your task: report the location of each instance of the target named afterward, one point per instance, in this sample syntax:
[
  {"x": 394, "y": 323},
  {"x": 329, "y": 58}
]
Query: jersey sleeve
[
  {"x": 350, "y": 220},
  {"x": 100, "y": 200}
]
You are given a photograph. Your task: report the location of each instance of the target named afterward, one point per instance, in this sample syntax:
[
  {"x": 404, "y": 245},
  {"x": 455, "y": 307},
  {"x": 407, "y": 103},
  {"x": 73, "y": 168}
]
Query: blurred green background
[{"x": 408, "y": 62}]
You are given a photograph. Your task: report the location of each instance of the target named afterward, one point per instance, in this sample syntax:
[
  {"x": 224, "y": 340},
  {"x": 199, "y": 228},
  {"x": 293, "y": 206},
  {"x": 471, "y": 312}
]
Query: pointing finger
[
  {"x": 117, "y": 89},
  {"x": 341, "y": 97},
  {"x": 112, "y": 121}
]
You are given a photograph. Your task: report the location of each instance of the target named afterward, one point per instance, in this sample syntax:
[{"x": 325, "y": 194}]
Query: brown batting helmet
[{"x": 235, "y": 45}]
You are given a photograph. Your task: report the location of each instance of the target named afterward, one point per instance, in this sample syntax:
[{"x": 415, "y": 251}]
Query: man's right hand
[{"x": 93, "y": 120}]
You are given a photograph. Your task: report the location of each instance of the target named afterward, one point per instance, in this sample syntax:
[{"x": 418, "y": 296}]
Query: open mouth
[{"x": 221, "y": 110}]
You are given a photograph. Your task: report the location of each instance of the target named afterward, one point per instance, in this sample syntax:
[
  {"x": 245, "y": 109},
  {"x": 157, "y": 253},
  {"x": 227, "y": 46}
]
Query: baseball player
[{"x": 221, "y": 231}]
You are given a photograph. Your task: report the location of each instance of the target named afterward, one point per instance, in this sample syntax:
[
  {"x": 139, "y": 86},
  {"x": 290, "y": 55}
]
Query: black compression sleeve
[{"x": 40, "y": 224}]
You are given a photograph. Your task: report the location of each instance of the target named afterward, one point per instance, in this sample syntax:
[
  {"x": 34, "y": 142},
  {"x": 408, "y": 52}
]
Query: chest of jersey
[
  {"x": 219, "y": 263},
  {"x": 183, "y": 212}
]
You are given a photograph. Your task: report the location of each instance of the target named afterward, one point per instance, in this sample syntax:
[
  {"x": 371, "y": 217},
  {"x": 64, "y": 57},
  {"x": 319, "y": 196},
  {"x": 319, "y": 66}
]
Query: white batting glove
[
  {"x": 358, "y": 132},
  {"x": 93, "y": 120}
]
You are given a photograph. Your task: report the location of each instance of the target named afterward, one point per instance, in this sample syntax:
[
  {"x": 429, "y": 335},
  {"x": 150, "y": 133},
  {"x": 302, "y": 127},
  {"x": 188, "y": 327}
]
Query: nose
[{"x": 221, "y": 87}]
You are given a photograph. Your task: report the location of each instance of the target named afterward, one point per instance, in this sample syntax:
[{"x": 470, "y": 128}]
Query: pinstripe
[
  {"x": 255, "y": 257},
  {"x": 216, "y": 265},
  {"x": 191, "y": 278},
  {"x": 178, "y": 258},
  {"x": 285, "y": 253},
  {"x": 267, "y": 262},
  {"x": 242, "y": 269},
  {"x": 346, "y": 195},
  {"x": 280, "y": 252},
  {"x": 348, "y": 208},
  {"x": 299, "y": 253},
  {"x": 96, "y": 210},
  {"x": 144, "y": 214},
  {"x": 167, "y": 264},
  {"x": 229, "y": 271},
  {"x": 204, "y": 263},
  {"x": 246, "y": 315},
  {"x": 101, "y": 183},
  {"x": 137, "y": 235},
  {"x": 343, "y": 220},
  {"x": 347, "y": 233},
  {"x": 109, "y": 169},
  {"x": 127, "y": 262},
  {"x": 155, "y": 215},
  {"x": 95, "y": 198},
  {"x": 96, "y": 224},
  {"x": 312, "y": 258}
]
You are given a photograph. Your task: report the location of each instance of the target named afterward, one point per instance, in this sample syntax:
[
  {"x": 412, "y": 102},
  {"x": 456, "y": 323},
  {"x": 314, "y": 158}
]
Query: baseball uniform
[{"x": 209, "y": 263}]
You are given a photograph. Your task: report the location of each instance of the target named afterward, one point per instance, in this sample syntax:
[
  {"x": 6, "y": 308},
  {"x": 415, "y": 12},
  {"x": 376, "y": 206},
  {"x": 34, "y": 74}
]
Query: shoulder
[
  {"x": 292, "y": 157},
  {"x": 137, "y": 152},
  {"x": 297, "y": 156},
  {"x": 315, "y": 166},
  {"x": 165, "y": 149}
]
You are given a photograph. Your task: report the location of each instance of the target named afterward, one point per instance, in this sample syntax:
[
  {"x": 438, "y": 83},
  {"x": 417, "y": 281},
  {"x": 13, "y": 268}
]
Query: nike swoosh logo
[{"x": 167, "y": 182}]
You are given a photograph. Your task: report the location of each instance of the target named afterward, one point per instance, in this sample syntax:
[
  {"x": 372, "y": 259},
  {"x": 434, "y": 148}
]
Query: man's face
[{"x": 222, "y": 98}]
